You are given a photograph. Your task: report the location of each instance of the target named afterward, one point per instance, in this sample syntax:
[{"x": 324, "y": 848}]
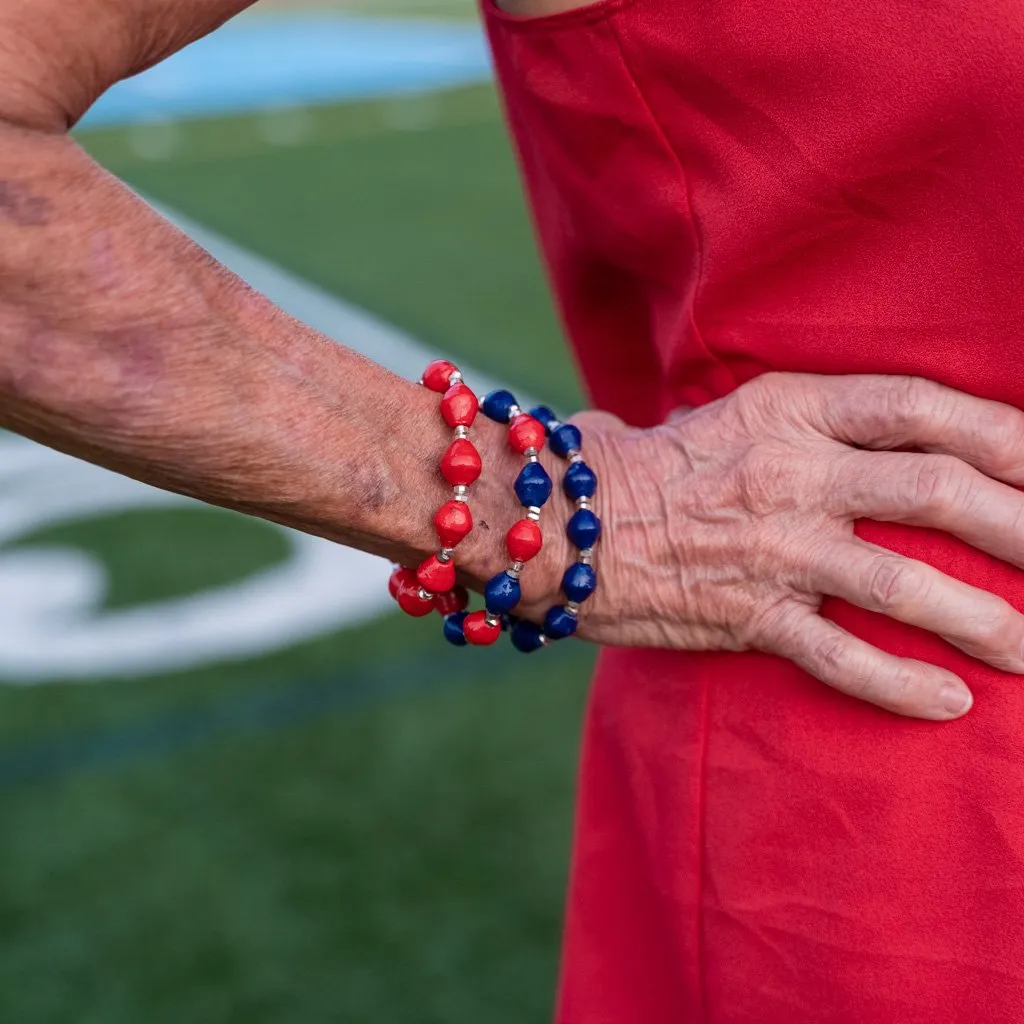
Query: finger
[
  {"x": 979, "y": 623},
  {"x": 936, "y": 491},
  {"x": 847, "y": 663},
  {"x": 880, "y": 412}
]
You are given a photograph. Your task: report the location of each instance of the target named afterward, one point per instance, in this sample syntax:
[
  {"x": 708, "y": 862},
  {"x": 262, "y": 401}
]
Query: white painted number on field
[{"x": 52, "y": 621}]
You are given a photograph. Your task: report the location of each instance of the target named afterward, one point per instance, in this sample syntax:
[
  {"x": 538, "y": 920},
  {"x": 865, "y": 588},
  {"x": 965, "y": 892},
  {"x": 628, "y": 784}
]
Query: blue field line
[
  {"x": 293, "y": 60},
  {"x": 63, "y": 755}
]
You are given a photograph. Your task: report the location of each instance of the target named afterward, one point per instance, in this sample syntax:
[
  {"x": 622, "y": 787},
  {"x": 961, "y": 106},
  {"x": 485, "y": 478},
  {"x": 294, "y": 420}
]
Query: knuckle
[
  {"x": 1002, "y": 435},
  {"x": 830, "y": 657},
  {"x": 901, "y": 403},
  {"x": 759, "y": 397},
  {"x": 902, "y": 692},
  {"x": 993, "y": 631},
  {"x": 998, "y": 629},
  {"x": 764, "y": 481},
  {"x": 940, "y": 482},
  {"x": 1008, "y": 425},
  {"x": 900, "y": 398},
  {"x": 775, "y": 400},
  {"x": 892, "y": 583},
  {"x": 911, "y": 398}
]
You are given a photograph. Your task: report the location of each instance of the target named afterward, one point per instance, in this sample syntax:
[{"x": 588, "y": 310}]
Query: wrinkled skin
[{"x": 726, "y": 527}]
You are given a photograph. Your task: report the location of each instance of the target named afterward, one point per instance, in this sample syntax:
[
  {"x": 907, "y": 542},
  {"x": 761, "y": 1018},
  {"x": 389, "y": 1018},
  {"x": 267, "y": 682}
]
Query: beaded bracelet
[
  {"x": 583, "y": 529},
  {"x": 432, "y": 586},
  {"x": 524, "y": 540}
]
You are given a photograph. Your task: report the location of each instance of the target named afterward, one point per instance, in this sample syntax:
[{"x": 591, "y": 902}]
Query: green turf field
[{"x": 369, "y": 827}]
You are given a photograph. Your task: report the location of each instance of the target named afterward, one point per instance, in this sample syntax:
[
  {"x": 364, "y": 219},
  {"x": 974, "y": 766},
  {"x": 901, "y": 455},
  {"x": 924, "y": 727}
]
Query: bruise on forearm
[{"x": 20, "y": 206}]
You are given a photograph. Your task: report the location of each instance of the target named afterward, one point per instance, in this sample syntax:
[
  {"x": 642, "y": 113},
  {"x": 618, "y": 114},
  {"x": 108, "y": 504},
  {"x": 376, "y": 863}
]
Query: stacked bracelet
[
  {"x": 432, "y": 585},
  {"x": 583, "y": 529},
  {"x": 524, "y": 540}
]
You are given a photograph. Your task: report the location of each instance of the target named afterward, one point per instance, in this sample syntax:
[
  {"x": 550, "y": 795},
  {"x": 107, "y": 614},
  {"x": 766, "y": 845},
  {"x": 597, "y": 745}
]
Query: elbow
[{"x": 41, "y": 89}]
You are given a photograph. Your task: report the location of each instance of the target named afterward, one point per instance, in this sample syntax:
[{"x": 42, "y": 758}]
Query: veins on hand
[{"x": 20, "y": 206}]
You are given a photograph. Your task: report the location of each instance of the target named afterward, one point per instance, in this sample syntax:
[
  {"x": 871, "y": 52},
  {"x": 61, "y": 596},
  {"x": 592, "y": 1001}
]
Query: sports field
[{"x": 362, "y": 826}]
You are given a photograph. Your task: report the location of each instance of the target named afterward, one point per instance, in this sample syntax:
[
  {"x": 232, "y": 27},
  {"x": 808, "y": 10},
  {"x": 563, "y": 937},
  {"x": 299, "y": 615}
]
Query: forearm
[{"x": 123, "y": 343}]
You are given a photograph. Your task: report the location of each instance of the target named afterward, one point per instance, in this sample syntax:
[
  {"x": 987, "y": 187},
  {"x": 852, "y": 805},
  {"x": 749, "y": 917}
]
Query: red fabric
[{"x": 724, "y": 188}]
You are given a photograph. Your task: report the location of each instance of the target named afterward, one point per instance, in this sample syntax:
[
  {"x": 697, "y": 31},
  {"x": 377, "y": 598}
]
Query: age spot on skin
[{"x": 20, "y": 206}]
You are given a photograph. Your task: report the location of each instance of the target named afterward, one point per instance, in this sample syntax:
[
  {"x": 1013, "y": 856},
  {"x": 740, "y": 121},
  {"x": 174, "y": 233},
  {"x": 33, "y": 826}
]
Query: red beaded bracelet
[{"x": 432, "y": 586}]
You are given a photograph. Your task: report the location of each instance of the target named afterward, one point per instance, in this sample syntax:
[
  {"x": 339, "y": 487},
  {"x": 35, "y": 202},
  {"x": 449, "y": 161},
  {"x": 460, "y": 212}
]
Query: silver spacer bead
[
  {"x": 572, "y": 608},
  {"x": 461, "y": 490},
  {"x": 512, "y": 572},
  {"x": 492, "y": 620},
  {"x": 544, "y": 640},
  {"x": 420, "y": 382},
  {"x": 530, "y": 452},
  {"x": 583, "y": 503},
  {"x": 533, "y": 513},
  {"x": 532, "y": 458},
  {"x": 455, "y": 378},
  {"x": 518, "y": 566},
  {"x": 445, "y": 554},
  {"x": 587, "y": 556},
  {"x": 425, "y": 595},
  {"x": 575, "y": 456},
  {"x": 513, "y": 412},
  {"x": 462, "y": 432}
]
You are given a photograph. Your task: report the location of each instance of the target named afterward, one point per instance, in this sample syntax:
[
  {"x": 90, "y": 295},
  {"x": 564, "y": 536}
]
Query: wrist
[{"x": 496, "y": 508}]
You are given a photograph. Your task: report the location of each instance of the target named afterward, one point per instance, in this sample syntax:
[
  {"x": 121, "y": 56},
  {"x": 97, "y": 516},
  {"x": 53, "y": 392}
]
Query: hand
[{"x": 727, "y": 526}]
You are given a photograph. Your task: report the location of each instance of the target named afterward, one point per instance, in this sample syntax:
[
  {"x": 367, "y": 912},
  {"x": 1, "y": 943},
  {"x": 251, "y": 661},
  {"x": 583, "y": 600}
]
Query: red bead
[
  {"x": 452, "y": 522},
  {"x": 459, "y": 406},
  {"x": 524, "y": 432},
  {"x": 461, "y": 463},
  {"x": 455, "y": 600},
  {"x": 413, "y": 603},
  {"x": 437, "y": 375},
  {"x": 478, "y": 631},
  {"x": 435, "y": 575},
  {"x": 523, "y": 540},
  {"x": 401, "y": 578}
]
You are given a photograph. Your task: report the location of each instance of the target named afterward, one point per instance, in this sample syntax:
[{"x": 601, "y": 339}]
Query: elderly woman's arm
[{"x": 123, "y": 343}]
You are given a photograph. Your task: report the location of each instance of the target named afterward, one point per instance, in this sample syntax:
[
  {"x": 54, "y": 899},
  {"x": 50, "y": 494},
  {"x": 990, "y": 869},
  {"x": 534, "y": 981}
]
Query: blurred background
[{"x": 234, "y": 785}]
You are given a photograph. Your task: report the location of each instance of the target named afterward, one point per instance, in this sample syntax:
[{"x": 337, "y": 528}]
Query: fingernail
[{"x": 955, "y": 699}]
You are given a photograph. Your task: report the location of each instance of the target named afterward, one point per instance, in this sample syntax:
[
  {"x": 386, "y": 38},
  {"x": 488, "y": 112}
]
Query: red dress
[{"x": 725, "y": 187}]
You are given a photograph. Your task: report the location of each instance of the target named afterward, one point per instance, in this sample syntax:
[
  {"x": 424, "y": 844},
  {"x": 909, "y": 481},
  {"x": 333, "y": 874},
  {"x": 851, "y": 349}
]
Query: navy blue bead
[
  {"x": 497, "y": 405},
  {"x": 565, "y": 439},
  {"x": 558, "y": 623},
  {"x": 453, "y": 631},
  {"x": 502, "y": 593},
  {"x": 579, "y": 582},
  {"x": 545, "y": 416},
  {"x": 526, "y": 636},
  {"x": 580, "y": 481},
  {"x": 533, "y": 485},
  {"x": 583, "y": 528}
]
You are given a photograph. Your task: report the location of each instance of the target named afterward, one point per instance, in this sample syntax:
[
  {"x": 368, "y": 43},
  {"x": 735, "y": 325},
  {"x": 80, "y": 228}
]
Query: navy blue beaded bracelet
[
  {"x": 533, "y": 486},
  {"x": 583, "y": 530}
]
